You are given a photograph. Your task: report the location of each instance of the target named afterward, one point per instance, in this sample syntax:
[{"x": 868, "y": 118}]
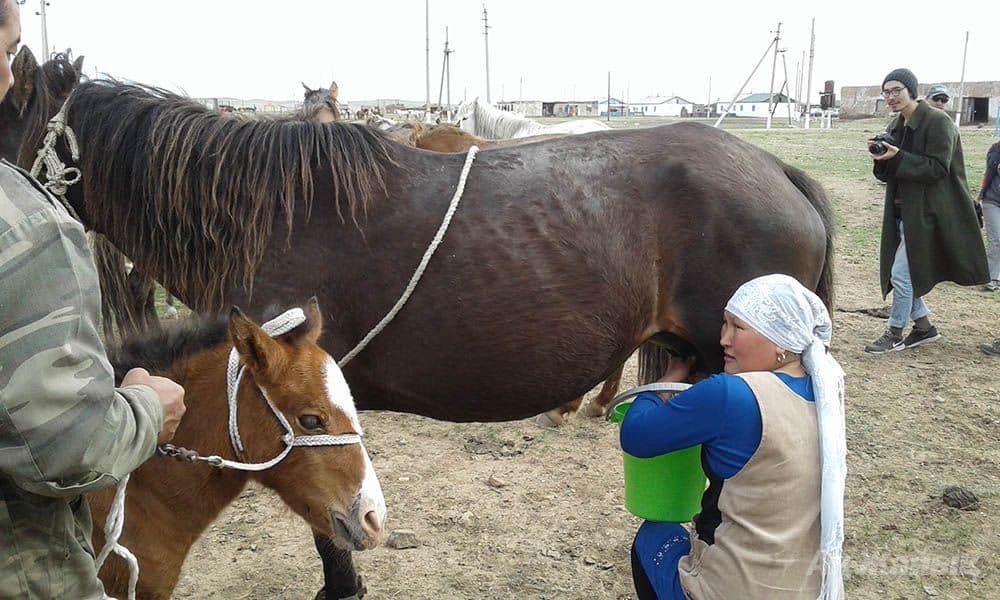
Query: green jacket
[
  {"x": 64, "y": 428},
  {"x": 943, "y": 242}
]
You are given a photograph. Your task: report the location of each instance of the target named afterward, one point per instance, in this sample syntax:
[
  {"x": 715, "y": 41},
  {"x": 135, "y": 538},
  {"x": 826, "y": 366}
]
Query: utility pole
[
  {"x": 609, "y": 97},
  {"x": 709, "y": 104},
  {"x": 742, "y": 87},
  {"x": 809, "y": 78},
  {"x": 486, "y": 38},
  {"x": 45, "y": 31},
  {"x": 427, "y": 70},
  {"x": 446, "y": 75},
  {"x": 774, "y": 66},
  {"x": 961, "y": 85}
]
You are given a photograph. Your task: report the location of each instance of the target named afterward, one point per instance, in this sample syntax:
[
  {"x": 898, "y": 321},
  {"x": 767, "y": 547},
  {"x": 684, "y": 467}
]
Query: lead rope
[
  {"x": 473, "y": 150},
  {"x": 58, "y": 177}
]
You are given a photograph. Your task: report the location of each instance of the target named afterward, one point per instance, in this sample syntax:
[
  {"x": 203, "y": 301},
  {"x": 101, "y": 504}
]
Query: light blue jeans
[
  {"x": 905, "y": 307},
  {"x": 991, "y": 217}
]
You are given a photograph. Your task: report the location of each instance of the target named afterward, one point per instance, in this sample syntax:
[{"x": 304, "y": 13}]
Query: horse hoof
[
  {"x": 550, "y": 419},
  {"x": 594, "y": 410}
]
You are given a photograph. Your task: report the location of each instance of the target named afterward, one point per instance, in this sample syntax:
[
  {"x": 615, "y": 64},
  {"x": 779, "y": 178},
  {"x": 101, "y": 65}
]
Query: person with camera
[{"x": 930, "y": 232}]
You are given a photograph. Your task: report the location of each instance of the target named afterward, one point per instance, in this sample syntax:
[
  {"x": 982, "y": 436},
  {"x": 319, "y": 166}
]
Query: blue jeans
[{"x": 904, "y": 306}]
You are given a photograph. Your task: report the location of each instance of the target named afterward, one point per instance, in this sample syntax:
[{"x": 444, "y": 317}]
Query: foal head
[{"x": 333, "y": 487}]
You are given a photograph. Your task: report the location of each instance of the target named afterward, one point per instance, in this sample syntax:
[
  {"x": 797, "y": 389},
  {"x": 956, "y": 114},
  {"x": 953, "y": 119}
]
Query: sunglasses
[{"x": 940, "y": 98}]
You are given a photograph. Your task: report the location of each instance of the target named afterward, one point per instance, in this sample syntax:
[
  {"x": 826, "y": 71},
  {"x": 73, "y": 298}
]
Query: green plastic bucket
[{"x": 668, "y": 487}]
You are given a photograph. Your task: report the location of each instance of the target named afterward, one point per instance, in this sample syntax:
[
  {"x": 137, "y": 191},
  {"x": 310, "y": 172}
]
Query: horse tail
[
  {"x": 814, "y": 192},
  {"x": 124, "y": 295}
]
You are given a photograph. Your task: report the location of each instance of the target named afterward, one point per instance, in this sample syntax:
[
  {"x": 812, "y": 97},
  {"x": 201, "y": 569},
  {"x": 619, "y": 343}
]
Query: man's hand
[
  {"x": 890, "y": 152},
  {"x": 171, "y": 397}
]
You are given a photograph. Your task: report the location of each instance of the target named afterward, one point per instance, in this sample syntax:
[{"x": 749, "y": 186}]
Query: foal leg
[{"x": 340, "y": 580}]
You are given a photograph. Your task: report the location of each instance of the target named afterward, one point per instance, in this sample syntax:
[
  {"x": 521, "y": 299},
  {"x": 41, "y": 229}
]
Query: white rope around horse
[
  {"x": 58, "y": 177},
  {"x": 423, "y": 262}
]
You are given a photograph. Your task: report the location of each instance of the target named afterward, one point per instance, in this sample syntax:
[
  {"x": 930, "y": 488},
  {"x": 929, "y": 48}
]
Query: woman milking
[{"x": 773, "y": 447}]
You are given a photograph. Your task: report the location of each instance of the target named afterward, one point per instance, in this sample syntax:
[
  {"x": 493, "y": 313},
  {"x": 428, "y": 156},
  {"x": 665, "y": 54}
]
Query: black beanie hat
[{"x": 904, "y": 76}]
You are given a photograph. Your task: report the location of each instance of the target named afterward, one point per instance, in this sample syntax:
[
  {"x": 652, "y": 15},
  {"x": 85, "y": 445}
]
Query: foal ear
[
  {"x": 78, "y": 65},
  {"x": 333, "y": 89},
  {"x": 308, "y": 89},
  {"x": 23, "y": 68},
  {"x": 257, "y": 349},
  {"x": 314, "y": 318}
]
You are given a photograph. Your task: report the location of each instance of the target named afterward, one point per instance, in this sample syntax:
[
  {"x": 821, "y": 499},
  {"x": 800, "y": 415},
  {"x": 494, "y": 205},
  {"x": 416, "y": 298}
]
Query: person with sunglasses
[
  {"x": 930, "y": 232},
  {"x": 938, "y": 96}
]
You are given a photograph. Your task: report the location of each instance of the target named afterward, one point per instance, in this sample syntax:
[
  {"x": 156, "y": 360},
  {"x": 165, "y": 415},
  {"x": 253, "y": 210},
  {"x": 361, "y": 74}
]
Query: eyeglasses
[
  {"x": 940, "y": 98},
  {"x": 892, "y": 91}
]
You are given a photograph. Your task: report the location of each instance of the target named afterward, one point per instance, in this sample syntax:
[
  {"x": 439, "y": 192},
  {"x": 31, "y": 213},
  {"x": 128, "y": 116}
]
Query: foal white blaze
[{"x": 370, "y": 503}]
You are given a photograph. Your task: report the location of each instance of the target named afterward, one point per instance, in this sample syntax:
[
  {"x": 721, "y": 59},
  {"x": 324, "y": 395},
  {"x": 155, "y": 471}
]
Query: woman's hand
[{"x": 678, "y": 370}]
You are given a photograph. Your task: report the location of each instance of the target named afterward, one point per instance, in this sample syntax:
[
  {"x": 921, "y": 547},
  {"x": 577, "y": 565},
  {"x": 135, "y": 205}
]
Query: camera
[{"x": 877, "y": 145}]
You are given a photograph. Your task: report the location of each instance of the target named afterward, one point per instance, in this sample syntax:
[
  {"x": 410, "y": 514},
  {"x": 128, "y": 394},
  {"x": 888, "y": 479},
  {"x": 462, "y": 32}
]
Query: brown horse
[
  {"x": 562, "y": 258},
  {"x": 169, "y": 503}
]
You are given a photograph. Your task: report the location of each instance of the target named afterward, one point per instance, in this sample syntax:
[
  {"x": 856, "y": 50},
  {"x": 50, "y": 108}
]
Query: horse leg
[
  {"x": 556, "y": 416},
  {"x": 340, "y": 580},
  {"x": 598, "y": 407}
]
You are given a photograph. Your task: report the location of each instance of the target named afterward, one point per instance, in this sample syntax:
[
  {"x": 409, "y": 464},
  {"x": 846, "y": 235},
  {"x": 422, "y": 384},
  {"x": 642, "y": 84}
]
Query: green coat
[
  {"x": 943, "y": 242},
  {"x": 64, "y": 428}
]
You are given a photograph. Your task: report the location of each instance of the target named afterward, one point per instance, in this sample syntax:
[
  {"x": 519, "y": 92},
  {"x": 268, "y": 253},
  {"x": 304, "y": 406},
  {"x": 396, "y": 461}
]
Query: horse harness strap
[{"x": 455, "y": 199}]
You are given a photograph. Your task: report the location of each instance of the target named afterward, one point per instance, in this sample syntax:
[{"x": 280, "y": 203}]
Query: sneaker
[
  {"x": 918, "y": 337},
  {"x": 888, "y": 342},
  {"x": 992, "y": 286},
  {"x": 991, "y": 349}
]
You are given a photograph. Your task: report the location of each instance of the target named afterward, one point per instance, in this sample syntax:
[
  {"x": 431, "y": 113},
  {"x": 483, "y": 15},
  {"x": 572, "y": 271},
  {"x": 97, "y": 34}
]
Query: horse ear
[
  {"x": 23, "y": 68},
  {"x": 258, "y": 351},
  {"x": 333, "y": 89},
  {"x": 314, "y": 317},
  {"x": 306, "y": 87},
  {"x": 78, "y": 65}
]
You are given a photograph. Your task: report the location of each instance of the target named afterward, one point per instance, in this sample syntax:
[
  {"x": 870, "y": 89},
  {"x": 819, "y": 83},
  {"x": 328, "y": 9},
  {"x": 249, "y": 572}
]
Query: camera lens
[{"x": 878, "y": 148}]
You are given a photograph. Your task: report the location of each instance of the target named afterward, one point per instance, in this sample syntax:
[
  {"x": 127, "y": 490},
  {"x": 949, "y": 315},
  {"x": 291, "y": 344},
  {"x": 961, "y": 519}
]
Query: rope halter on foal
[{"x": 278, "y": 326}]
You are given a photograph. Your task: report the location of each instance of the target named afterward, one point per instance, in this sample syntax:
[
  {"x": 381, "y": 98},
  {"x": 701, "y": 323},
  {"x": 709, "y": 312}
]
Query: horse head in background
[
  {"x": 297, "y": 432},
  {"x": 320, "y": 105},
  {"x": 485, "y": 120},
  {"x": 37, "y": 90}
]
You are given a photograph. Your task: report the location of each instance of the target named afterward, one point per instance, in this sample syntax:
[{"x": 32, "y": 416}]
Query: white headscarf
[{"x": 785, "y": 312}]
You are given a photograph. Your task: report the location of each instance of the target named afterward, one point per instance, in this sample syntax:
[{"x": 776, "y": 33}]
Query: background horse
[
  {"x": 563, "y": 257},
  {"x": 320, "y": 105},
  {"x": 170, "y": 503},
  {"x": 483, "y": 119}
]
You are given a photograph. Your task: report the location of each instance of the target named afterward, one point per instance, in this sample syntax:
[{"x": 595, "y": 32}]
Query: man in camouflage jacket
[{"x": 64, "y": 428}]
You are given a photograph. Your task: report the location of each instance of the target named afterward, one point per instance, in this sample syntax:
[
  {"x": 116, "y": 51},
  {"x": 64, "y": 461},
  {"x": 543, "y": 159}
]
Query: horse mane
[
  {"x": 157, "y": 351},
  {"x": 193, "y": 195},
  {"x": 494, "y": 123},
  {"x": 53, "y": 82}
]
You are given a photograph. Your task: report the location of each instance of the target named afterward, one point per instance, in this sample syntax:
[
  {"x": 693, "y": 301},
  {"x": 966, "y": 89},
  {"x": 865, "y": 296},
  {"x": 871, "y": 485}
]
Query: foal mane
[
  {"x": 157, "y": 351},
  {"x": 193, "y": 195}
]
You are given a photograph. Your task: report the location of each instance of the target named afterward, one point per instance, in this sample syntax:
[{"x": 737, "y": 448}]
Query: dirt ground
[{"x": 552, "y": 524}]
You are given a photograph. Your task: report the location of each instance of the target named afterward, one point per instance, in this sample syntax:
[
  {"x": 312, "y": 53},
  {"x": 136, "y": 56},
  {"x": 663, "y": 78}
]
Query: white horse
[{"x": 485, "y": 120}]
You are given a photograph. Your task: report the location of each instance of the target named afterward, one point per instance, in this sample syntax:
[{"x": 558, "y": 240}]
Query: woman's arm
[{"x": 653, "y": 427}]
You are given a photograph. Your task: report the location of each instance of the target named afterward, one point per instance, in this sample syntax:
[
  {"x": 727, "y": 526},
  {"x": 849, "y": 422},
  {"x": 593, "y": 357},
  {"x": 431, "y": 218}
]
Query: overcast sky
[{"x": 538, "y": 49}]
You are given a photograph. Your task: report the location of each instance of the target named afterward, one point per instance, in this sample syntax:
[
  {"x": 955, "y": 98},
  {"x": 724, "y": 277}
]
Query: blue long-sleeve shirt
[{"x": 720, "y": 412}]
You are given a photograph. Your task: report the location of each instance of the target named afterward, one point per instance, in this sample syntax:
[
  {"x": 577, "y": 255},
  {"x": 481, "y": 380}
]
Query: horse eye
[{"x": 310, "y": 422}]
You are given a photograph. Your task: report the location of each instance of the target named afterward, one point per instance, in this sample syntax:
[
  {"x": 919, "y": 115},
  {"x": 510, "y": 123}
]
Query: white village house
[
  {"x": 755, "y": 105},
  {"x": 662, "y": 106}
]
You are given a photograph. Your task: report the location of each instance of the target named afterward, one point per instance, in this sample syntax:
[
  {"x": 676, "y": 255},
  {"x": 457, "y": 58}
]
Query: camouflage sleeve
[{"x": 64, "y": 428}]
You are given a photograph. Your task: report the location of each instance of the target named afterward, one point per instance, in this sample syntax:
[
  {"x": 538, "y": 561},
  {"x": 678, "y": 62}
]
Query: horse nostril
[{"x": 372, "y": 525}]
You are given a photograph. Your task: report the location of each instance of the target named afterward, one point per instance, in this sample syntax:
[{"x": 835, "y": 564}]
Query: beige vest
[{"x": 767, "y": 545}]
